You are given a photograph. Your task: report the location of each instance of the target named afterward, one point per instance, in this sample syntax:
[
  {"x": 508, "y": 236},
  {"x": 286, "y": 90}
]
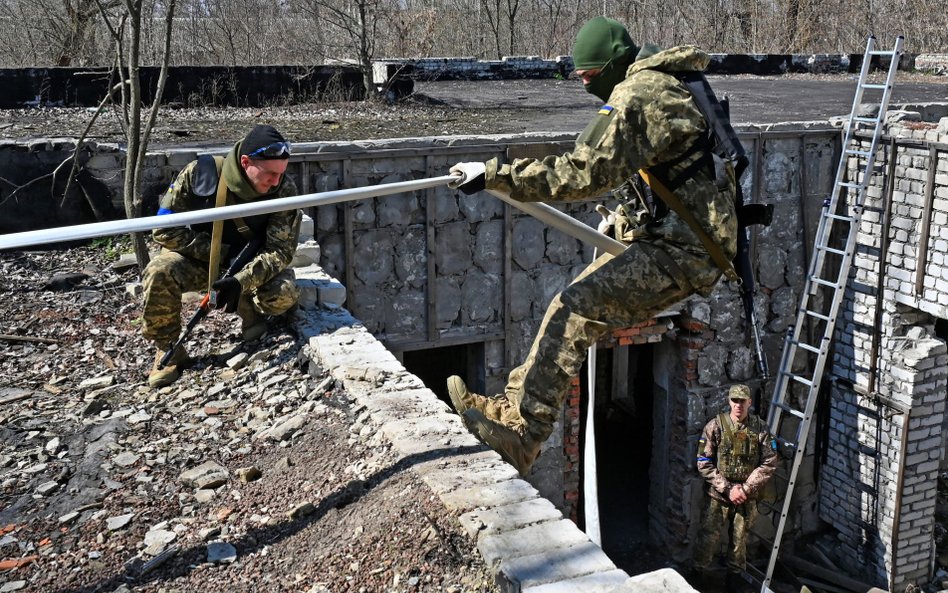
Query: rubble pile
[{"x": 247, "y": 474}]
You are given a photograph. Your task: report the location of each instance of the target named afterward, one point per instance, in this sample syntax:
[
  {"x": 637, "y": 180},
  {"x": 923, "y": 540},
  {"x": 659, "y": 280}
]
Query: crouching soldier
[{"x": 253, "y": 170}]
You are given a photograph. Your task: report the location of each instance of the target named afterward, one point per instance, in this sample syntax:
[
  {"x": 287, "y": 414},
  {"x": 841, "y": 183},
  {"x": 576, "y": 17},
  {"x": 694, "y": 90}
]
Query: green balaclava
[{"x": 603, "y": 43}]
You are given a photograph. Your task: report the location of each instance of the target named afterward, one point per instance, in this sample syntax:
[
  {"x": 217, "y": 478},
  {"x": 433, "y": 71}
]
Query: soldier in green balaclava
[
  {"x": 649, "y": 122},
  {"x": 601, "y": 55}
]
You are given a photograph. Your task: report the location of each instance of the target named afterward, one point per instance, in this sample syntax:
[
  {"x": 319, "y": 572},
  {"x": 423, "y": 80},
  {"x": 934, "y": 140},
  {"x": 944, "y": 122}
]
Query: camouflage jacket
[
  {"x": 280, "y": 230},
  {"x": 708, "y": 457},
  {"x": 650, "y": 120}
]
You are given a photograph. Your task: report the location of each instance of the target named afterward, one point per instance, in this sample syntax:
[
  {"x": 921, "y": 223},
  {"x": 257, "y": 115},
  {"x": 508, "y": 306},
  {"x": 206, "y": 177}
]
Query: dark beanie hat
[{"x": 263, "y": 136}]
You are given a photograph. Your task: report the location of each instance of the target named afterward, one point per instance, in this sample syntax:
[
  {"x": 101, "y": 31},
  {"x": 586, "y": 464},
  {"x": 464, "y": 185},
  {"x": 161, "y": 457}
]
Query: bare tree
[{"x": 352, "y": 30}]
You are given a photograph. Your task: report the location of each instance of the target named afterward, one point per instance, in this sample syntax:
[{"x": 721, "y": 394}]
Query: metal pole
[
  {"x": 564, "y": 223},
  {"x": 543, "y": 212},
  {"x": 147, "y": 223}
]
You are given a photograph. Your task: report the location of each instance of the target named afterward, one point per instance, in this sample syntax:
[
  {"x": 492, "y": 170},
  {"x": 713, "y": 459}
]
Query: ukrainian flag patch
[{"x": 605, "y": 110}]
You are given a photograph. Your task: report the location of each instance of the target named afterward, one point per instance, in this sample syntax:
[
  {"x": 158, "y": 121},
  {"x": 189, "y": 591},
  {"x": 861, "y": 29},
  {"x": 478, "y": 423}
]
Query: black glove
[{"x": 228, "y": 293}]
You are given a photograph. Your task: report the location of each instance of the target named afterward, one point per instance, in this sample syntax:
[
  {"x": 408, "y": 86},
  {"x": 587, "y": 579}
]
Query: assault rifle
[{"x": 245, "y": 255}]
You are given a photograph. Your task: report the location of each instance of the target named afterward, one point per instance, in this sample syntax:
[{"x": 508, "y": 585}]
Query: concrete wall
[
  {"x": 882, "y": 486},
  {"x": 437, "y": 268}
]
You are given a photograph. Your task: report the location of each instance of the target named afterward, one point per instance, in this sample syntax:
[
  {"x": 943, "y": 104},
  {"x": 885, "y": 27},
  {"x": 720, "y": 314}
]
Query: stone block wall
[
  {"x": 436, "y": 268},
  {"x": 889, "y": 373}
]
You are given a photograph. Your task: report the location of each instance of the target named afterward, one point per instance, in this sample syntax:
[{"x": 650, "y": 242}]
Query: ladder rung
[
  {"x": 851, "y": 184},
  {"x": 785, "y": 443},
  {"x": 824, "y": 283},
  {"x": 866, "y": 120},
  {"x": 839, "y": 217},
  {"x": 806, "y": 346},
  {"x": 875, "y": 86},
  {"x": 831, "y": 250},
  {"x": 853, "y": 151},
  {"x": 881, "y": 52},
  {"x": 789, "y": 410},
  {"x": 800, "y": 379},
  {"x": 815, "y": 314}
]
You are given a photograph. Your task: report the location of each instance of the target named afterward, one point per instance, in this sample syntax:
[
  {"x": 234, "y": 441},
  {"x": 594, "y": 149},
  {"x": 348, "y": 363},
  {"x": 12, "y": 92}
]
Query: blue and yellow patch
[{"x": 605, "y": 110}]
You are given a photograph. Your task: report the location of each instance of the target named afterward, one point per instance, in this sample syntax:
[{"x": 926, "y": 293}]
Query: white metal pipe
[
  {"x": 147, "y": 223},
  {"x": 565, "y": 223},
  {"x": 542, "y": 212}
]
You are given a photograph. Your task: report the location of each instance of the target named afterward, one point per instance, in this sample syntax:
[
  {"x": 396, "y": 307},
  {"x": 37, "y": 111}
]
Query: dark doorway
[
  {"x": 624, "y": 426},
  {"x": 434, "y": 365}
]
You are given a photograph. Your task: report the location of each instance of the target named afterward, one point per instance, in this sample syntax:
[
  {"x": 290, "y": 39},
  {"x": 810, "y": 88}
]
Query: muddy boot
[
  {"x": 168, "y": 374},
  {"x": 516, "y": 446},
  {"x": 497, "y": 408},
  {"x": 252, "y": 324}
]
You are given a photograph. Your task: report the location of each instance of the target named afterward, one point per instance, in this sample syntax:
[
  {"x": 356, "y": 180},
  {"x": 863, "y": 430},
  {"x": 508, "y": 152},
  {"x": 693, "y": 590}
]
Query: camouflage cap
[{"x": 739, "y": 391}]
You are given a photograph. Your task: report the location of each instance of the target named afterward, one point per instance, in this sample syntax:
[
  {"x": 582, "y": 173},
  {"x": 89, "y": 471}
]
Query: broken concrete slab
[
  {"x": 488, "y": 496},
  {"x": 556, "y": 565},
  {"x": 598, "y": 582},
  {"x": 664, "y": 580},
  {"x": 529, "y": 541},
  {"x": 509, "y": 517}
]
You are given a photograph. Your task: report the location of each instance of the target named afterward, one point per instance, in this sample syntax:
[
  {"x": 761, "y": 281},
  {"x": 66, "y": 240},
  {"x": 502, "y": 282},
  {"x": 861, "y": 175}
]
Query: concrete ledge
[{"x": 519, "y": 534}]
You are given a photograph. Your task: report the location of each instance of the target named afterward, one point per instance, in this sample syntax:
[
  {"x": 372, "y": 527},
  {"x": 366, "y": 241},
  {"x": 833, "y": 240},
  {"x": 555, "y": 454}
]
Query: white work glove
[
  {"x": 471, "y": 177},
  {"x": 608, "y": 219}
]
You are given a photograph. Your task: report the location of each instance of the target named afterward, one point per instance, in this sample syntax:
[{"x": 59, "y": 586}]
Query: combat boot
[
  {"x": 517, "y": 446},
  {"x": 168, "y": 374},
  {"x": 498, "y": 409},
  {"x": 252, "y": 324}
]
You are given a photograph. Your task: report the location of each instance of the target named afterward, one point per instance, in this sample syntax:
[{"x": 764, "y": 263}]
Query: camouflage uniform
[
  {"x": 722, "y": 472},
  {"x": 650, "y": 120},
  {"x": 268, "y": 284}
]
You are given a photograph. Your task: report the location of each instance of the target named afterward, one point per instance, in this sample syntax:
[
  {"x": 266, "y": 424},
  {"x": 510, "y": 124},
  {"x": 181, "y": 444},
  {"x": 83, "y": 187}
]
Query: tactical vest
[{"x": 739, "y": 451}]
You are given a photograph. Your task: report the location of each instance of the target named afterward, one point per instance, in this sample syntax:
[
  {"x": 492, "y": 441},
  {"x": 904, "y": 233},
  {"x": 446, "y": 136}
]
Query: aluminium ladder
[{"x": 827, "y": 277}]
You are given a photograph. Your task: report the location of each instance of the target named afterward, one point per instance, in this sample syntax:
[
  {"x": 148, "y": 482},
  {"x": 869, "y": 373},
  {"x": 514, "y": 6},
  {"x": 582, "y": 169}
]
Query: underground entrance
[{"x": 624, "y": 420}]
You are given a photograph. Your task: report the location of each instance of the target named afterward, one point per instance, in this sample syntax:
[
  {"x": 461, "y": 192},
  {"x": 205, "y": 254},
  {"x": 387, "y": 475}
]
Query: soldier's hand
[
  {"x": 608, "y": 219},
  {"x": 472, "y": 177},
  {"x": 228, "y": 293},
  {"x": 737, "y": 494}
]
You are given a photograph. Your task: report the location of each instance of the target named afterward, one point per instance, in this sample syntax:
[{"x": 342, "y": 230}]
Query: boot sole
[{"x": 456, "y": 388}]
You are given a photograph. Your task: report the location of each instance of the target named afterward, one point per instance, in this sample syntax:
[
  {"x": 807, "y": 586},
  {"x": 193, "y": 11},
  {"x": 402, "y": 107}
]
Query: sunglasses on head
[{"x": 271, "y": 151}]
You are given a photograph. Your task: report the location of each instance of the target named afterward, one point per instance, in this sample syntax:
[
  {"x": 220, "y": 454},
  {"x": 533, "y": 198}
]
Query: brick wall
[{"x": 880, "y": 487}]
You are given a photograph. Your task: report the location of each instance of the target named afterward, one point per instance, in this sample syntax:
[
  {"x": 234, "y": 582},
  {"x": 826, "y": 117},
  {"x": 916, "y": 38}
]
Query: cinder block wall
[{"x": 880, "y": 488}]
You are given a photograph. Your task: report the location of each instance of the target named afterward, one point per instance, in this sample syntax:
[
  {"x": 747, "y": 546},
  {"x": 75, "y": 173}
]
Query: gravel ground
[
  {"x": 93, "y": 481},
  {"x": 467, "y": 108}
]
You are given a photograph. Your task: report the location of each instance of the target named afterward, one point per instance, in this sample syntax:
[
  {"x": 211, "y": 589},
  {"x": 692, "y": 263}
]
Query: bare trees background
[{"x": 236, "y": 32}]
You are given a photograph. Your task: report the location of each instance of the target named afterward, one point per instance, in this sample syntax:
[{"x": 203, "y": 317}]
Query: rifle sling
[
  {"x": 672, "y": 201},
  {"x": 217, "y": 232}
]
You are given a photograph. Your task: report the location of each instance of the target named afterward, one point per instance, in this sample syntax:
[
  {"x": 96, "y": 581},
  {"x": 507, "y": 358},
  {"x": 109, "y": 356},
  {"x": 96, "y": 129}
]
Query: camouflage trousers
[
  {"x": 611, "y": 293},
  {"x": 718, "y": 517},
  {"x": 170, "y": 274}
]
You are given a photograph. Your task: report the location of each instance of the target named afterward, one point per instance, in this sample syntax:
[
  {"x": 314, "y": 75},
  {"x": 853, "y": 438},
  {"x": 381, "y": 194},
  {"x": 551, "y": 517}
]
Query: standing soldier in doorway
[
  {"x": 254, "y": 169},
  {"x": 737, "y": 457}
]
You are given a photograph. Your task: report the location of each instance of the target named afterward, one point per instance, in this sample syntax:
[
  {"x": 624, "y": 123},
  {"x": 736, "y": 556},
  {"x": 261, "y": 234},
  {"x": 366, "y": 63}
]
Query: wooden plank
[
  {"x": 347, "y": 232},
  {"x": 9, "y": 395},
  {"x": 508, "y": 285},
  {"x": 921, "y": 259},
  {"x": 431, "y": 289},
  {"x": 12, "y": 338}
]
